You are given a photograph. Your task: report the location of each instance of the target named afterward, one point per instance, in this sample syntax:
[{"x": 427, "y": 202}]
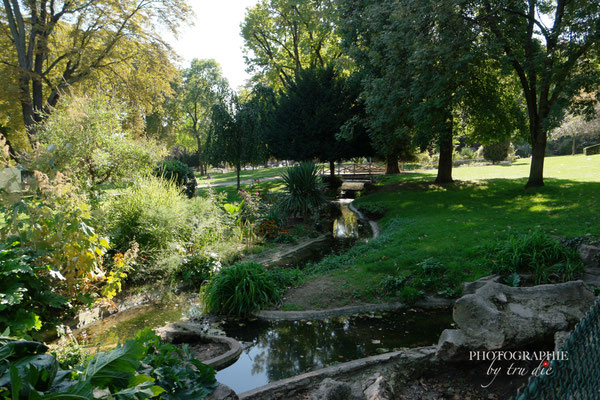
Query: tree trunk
[
  {"x": 238, "y": 167},
  {"x": 199, "y": 152},
  {"x": 392, "y": 164},
  {"x": 444, "y": 174},
  {"x": 538, "y": 153},
  {"x": 332, "y": 167},
  {"x": 574, "y": 146}
]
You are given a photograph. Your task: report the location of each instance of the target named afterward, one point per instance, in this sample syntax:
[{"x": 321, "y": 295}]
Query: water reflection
[
  {"x": 274, "y": 351},
  {"x": 346, "y": 225}
]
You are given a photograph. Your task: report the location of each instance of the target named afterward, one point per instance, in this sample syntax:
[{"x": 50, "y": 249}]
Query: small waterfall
[{"x": 346, "y": 225}]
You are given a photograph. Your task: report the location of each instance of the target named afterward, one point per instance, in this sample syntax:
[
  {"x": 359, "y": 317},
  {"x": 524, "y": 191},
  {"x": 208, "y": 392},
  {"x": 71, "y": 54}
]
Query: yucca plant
[
  {"x": 304, "y": 190},
  {"x": 239, "y": 290}
]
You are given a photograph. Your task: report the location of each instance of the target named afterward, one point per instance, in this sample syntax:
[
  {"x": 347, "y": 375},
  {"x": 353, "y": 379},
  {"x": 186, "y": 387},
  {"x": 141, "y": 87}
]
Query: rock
[
  {"x": 497, "y": 316},
  {"x": 560, "y": 338},
  {"x": 590, "y": 255},
  {"x": 453, "y": 344},
  {"x": 591, "y": 276},
  {"x": 378, "y": 390},
  {"x": 222, "y": 392},
  {"x": 471, "y": 287},
  {"x": 334, "y": 390}
]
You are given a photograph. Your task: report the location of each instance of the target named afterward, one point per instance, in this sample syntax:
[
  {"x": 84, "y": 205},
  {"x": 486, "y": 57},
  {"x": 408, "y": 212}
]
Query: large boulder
[{"x": 497, "y": 316}]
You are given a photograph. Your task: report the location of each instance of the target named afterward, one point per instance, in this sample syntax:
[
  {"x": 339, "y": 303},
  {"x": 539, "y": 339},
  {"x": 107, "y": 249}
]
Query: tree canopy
[
  {"x": 281, "y": 37},
  {"x": 552, "y": 47},
  {"x": 57, "y": 44},
  {"x": 203, "y": 86},
  {"x": 309, "y": 117}
]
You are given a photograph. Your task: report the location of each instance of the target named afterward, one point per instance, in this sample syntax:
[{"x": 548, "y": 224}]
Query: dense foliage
[
  {"x": 27, "y": 299},
  {"x": 167, "y": 226},
  {"x": 309, "y": 116},
  {"x": 240, "y": 289},
  {"x": 304, "y": 190},
  {"x": 496, "y": 152},
  {"x": 538, "y": 254},
  {"x": 85, "y": 137},
  {"x": 180, "y": 173},
  {"x": 141, "y": 368}
]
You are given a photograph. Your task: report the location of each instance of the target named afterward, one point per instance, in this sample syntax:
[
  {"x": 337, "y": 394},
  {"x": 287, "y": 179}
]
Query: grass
[
  {"x": 261, "y": 173},
  {"x": 454, "y": 224},
  {"x": 231, "y": 192}
]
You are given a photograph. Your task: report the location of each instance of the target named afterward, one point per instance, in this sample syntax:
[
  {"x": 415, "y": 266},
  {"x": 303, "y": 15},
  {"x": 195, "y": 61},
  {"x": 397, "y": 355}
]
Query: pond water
[
  {"x": 278, "y": 350},
  {"x": 281, "y": 349}
]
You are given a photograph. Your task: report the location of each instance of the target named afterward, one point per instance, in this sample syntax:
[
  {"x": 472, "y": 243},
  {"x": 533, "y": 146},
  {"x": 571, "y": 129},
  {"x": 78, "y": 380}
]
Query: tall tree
[
  {"x": 58, "y": 43},
  {"x": 203, "y": 87},
  {"x": 367, "y": 31},
  {"x": 283, "y": 36},
  {"x": 552, "y": 47},
  {"x": 424, "y": 69},
  {"x": 310, "y": 115},
  {"x": 235, "y": 134}
]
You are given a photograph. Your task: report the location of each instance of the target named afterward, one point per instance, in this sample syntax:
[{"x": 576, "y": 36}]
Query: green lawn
[
  {"x": 231, "y": 192},
  {"x": 244, "y": 175},
  {"x": 454, "y": 223}
]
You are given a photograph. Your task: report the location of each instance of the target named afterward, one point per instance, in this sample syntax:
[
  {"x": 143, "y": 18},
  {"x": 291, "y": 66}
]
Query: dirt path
[{"x": 319, "y": 293}]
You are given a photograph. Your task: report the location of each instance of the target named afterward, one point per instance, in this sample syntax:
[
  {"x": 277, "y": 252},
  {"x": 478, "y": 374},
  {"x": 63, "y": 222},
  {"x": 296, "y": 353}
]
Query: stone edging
[
  {"x": 185, "y": 332},
  {"x": 428, "y": 303},
  {"x": 228, "y": 358},
  {"x": 309, "y": 379}
]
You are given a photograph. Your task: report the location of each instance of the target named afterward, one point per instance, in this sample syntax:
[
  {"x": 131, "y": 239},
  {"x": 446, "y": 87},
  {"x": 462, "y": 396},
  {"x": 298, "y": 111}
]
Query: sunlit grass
[
  {"x": 455, "y": 223},
  {"x": 260, "y": 173}
]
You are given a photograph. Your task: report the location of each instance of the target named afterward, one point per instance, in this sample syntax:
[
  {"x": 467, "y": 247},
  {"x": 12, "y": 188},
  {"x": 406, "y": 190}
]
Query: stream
[{"x": 281, "y": 349}]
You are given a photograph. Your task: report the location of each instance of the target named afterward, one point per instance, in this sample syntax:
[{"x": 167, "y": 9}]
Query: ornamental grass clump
[
  {"x": 239, "y": 290},
  {"x": 304, "y": 190},
  {"x": 535, "y": 253}
]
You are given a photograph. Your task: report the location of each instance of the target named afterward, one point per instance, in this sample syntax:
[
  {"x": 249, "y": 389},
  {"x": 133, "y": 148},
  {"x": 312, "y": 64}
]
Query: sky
[{"x": 216, "y": 34}]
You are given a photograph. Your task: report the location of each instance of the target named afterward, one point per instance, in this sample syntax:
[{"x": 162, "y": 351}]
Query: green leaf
[{"x": 115, "y": 368}]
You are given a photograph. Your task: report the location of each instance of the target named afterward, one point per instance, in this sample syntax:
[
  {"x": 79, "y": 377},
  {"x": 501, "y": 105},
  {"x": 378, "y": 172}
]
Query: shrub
[
  {"x": 239, "y": 289},
  {"x": 538, "y": 254},
  {"x": 591, "y": 150},
  {"x": 141, "y": 368},
  {"x": 152, "y": 213},
  {"x": 188, "y": 157},
  {"x": 273, "y": 232},
  {"x": 180, "y": 173},
  {"x": 304, "y": 190},
  {"x": 85, "y": 136},
  {"x": 468, "y": 153},
  {"x": 372, "y": 210},
  {"x": 496, "y": 152},
  {"x": 523, "y": 150},
  {"x": 56, "y": 224},
  {"x": 27, "y": 300},
  {"x": 197, "y": 269}
]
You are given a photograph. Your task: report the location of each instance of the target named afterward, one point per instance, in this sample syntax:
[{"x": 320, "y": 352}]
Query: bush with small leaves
[{"x": 180, "y": 173}]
